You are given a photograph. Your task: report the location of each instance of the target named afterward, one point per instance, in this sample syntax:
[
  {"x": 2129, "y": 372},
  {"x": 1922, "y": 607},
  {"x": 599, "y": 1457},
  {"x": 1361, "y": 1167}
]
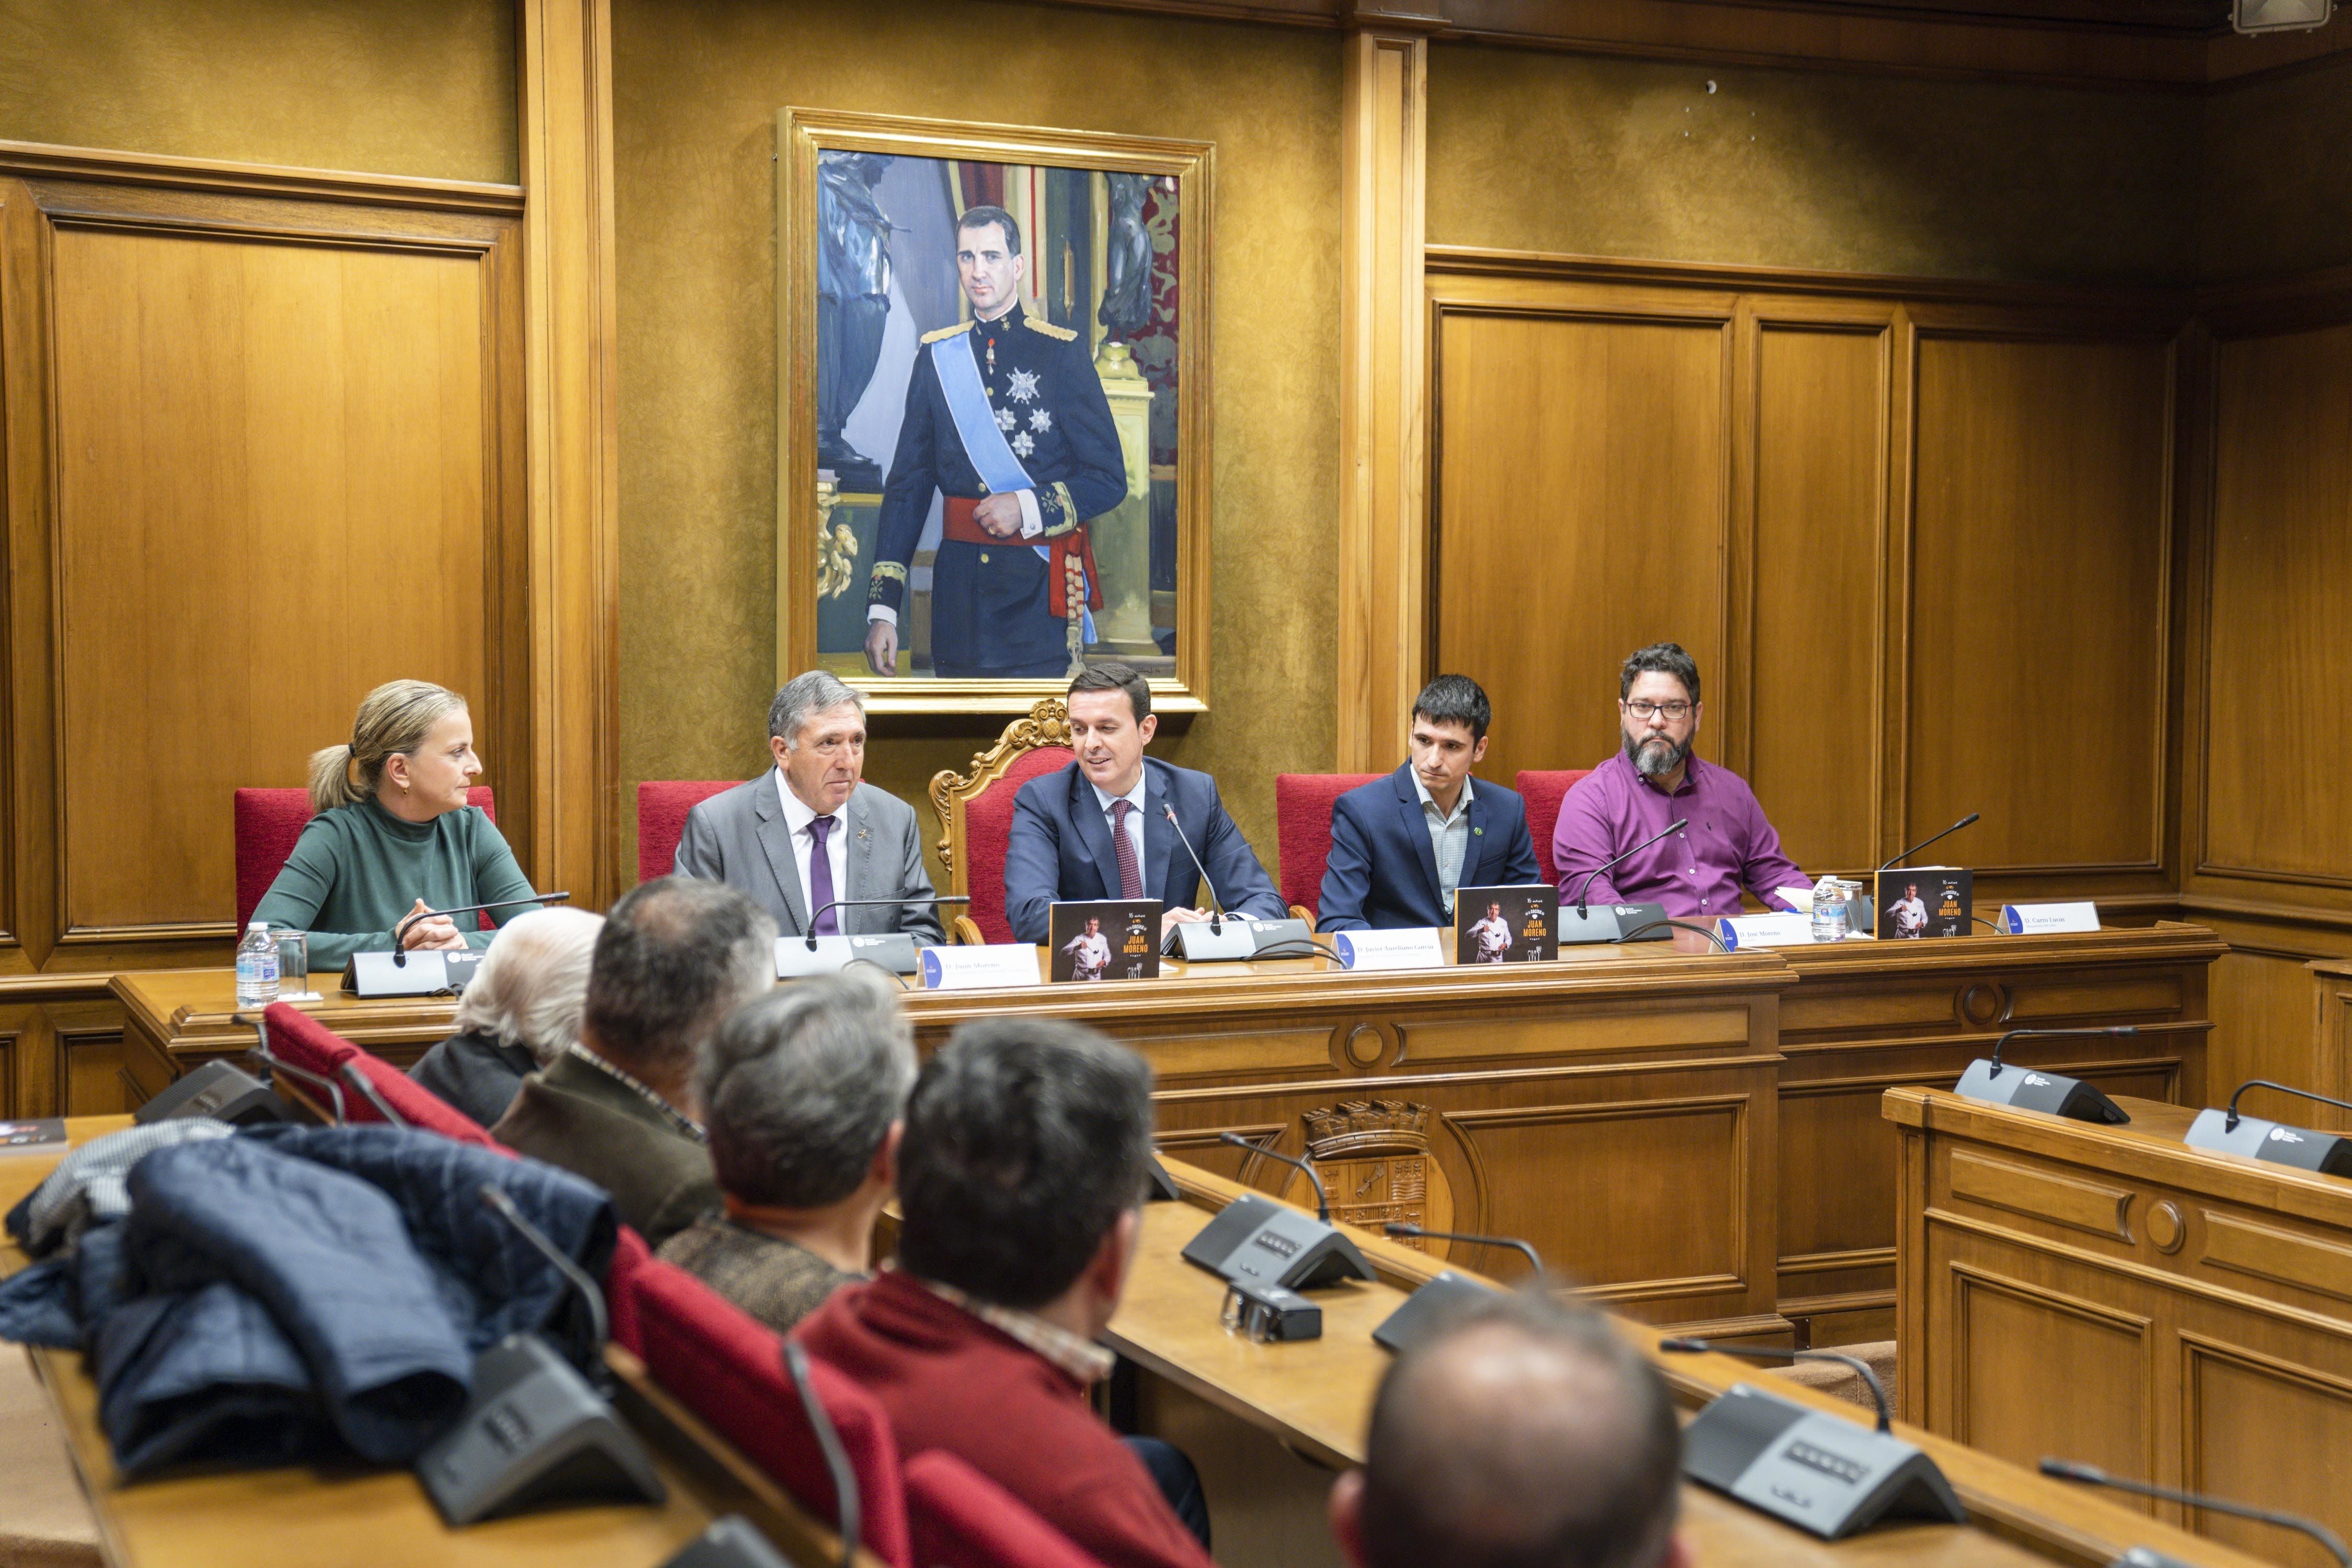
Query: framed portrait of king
[{"x": 992, "y": 409}]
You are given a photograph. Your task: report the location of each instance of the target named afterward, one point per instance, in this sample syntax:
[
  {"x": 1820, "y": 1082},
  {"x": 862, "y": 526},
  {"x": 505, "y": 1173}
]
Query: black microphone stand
[
  {"x": 2112, "y": 1029},
  {"x": 400, "y": 932},
  {"x": 1754, "y": 1352},
  {"x": 1582, "y": 887},
  {"x": 825, "y": 910},
  {"x": 1322, "y": 1199},
  {"x": 1399, "y": 1227}
]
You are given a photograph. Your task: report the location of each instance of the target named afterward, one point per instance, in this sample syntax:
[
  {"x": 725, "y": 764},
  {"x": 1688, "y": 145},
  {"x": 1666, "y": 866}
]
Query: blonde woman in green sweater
[{"x": 394, "y": 835}]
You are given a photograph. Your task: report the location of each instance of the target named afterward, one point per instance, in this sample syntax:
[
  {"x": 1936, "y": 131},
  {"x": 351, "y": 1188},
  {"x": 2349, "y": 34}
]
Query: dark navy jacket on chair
[
  {"x": 1382, "y": 872},
  {"x": 1060, "y": 848}
]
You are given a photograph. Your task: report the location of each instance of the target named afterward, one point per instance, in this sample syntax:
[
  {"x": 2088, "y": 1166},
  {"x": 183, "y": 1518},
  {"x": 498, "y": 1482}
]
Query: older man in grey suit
[{"x": 810, "y": 831}]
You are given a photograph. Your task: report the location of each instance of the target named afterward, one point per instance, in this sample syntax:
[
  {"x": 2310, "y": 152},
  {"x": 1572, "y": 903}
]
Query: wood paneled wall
[{"x": 1920, "y": 547}]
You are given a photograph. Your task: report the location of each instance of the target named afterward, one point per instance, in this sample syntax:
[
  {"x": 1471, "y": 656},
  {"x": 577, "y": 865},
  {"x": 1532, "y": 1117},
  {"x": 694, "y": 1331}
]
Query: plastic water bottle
[
  {"x": 1831, "y": 910},
  {"x": 257, "y": 966}
]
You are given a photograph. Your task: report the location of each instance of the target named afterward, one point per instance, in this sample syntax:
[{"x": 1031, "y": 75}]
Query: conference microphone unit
[
  {"x": 1808, "y": 1468},
  {"x": 1256, "y": 1238},
  {"x": 2030, "y": 1089},
  {"x": 536, "y": 1430},
  {"x": 1428, "y": 1309},
  {"x": 1247, "y": 939},
  {"x": 731, "y": 1541},
  {"x": 435, "y": 972},
  {"x": 2255, "y": 1139},
  {"x": 1615, "y": 923},
  {"x": 1864, "y": 909},
  {"x": 810, "y": 953},
  {"x": 2141, "y": 1557},
  {"x": 222, "y": 1090}
]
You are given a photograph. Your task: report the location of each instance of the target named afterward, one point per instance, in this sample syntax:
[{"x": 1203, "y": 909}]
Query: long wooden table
[
  {"x": 2110, "y": 1295},
  {"x": 1270, "y": 1424},
  {"x": 356, "y": 1517},
  {"x": 1692, "y": 1135}
]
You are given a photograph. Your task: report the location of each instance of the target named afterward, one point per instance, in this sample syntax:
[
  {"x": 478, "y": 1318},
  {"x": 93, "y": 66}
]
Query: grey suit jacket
[{"x": 741, "y": 838}]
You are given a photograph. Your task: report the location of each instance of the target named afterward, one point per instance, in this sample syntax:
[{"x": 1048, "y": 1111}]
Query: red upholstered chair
[
  {"x": 1543, "y": 791},
  {"x": 411, "y": 1103},
  {"x": 630, "y": 1253},
  {"x": 976, "y": 810},
  {"x": 960, "y": 1519},
  {"x": 662, "y": 805},
  {"x": 1302, "y": 832},
  {"x": 728, "y": 1368},
  {"x": 268, "y": 821}
]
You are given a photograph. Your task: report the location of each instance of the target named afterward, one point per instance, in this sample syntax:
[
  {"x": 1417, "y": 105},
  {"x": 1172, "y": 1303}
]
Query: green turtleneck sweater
[{"x": 357, "y": 872}]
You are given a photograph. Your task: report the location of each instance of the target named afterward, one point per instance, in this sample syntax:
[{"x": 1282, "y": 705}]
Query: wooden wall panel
[
  {"x": 2011, "y": 1335},
  {"x": 1582, "y": 482},
  {"x": 2238, "y": 1401},
  {"x": 1811, "y": 707},
  {"x": 2278, "y": 736},
  {"x": 273, "y": 470},
  {"x": 2039, "y": 547}
]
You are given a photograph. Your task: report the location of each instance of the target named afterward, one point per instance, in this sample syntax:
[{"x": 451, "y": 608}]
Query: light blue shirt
[
  {"x": 1448, "y": 836},
  {"x": 1134, "y": 820}
]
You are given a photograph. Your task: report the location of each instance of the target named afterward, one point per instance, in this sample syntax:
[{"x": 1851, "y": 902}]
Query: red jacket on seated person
[{"x": 1017, "y": 1414}]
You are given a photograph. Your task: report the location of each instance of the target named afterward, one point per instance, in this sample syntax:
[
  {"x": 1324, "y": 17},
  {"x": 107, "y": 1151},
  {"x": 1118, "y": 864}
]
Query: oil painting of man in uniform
[{"x": 996, "y": 418}]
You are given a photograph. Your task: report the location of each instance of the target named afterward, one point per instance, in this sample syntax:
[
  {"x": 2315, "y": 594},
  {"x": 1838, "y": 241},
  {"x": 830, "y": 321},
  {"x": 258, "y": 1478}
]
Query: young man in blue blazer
[
  {"x": 1100, "y": 828},
  {"x": 1401, "y": 844}
]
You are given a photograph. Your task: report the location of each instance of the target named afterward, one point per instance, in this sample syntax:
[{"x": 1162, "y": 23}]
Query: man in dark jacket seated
[
  {"x": 520, "y": 1011},
  {"x": 1021, "y": 1178},
  {"x": 802, "y": 1093},
  {"x": 675, "y": 957}
]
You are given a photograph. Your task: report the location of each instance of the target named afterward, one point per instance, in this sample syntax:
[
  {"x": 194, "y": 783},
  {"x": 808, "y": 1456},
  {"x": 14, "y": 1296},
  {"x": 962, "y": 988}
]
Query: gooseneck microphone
[
  {"x": 1754, "y": 1353},
  {"x": 1399, "y": 1227},
  {"x": 1924, "y": 842},
  {"x": 847, "y": 1504},
  {"x": 1619, "y": 859},
  {"x": 2091, "y": 1475},
  {"x": 1216, "y": 920},
  {"x": 824, "y": 910},
  {"x": 2232, "y": 1124},
  {"x": 1322, "y": 1199},
  {"x": 400, "y": 931},
  {"x": 582, "y": 1283},
  {"x": 2111, "y": 1029}
]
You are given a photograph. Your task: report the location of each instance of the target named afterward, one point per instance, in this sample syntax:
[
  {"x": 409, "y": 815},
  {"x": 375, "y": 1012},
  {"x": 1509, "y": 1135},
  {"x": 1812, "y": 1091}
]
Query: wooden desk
[
  {"x": 1268, "y": 1425},
  {"x": 1691, "y": 1134},
  {"x": 2110, "y": 1295},
  {"x": 307, "y": 1515}
]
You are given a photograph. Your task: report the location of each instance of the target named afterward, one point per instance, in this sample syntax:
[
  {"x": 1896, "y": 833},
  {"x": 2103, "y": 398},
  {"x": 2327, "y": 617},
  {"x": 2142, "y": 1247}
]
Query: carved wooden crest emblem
[{"x": 1373, "y": 1156}]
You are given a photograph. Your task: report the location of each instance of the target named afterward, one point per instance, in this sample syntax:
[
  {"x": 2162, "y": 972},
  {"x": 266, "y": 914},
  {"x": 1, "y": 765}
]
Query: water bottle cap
[{"x": 256, "y": 925}]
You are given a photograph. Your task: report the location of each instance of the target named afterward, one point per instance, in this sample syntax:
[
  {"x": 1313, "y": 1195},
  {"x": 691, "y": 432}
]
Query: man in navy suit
[
  {"x": 1099, "y": 829},
  {"x": 1400, "y": 846}
]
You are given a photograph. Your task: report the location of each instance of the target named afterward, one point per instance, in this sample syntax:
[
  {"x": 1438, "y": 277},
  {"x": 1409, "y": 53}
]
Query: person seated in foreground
[
  {"x": 520, "y": 1011},
  {"x": 1401, "y": 844},
  {"x": 1022, "y": 1180},
  {"x": 1523, "y": 1434},
  {"x": 802, "y": 1094},
  {"x": 393, "y": 835},
  {"x": 1098, "y": 829},
  {"x": 675, "y": 959}
]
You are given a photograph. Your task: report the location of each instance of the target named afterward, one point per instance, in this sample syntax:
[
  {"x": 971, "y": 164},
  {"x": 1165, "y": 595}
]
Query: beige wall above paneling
[
  {"x": 1582, "y": 482},
  {"x": 2039, "y": 541}
]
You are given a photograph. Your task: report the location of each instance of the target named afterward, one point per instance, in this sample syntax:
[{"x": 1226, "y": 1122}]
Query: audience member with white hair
[{"x": 520, "y": 1012}]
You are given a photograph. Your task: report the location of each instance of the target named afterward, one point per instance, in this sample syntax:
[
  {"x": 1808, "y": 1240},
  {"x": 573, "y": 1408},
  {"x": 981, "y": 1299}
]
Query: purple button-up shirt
[{"x": 1697, "y": 874}]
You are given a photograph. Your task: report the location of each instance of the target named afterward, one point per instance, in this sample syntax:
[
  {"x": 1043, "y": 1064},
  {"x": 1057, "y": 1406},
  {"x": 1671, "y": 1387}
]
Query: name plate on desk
[
  {"x": 1766, "y": 930},
  {"x": 1415, "y": 947},
  {"x": 972, "y": 968},
  {"x": 2032, "y": 920},
  {"x": 429, "y": 971}
]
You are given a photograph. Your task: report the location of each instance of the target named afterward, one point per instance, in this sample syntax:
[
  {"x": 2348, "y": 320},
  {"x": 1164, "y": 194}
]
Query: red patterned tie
[{"x": 1131, "y": 873}]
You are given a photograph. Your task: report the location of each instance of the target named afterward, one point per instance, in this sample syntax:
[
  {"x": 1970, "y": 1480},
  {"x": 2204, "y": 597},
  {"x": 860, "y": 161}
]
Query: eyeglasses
[{"x": 1675, "y": 712}]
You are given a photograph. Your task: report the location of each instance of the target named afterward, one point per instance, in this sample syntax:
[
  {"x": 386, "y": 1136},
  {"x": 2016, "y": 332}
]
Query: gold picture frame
[{"x": 817, "y": 554}]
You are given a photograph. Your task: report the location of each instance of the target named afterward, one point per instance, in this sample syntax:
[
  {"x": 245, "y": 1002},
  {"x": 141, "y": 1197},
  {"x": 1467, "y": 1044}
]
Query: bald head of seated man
[{"x": 1523, "y": 1434}]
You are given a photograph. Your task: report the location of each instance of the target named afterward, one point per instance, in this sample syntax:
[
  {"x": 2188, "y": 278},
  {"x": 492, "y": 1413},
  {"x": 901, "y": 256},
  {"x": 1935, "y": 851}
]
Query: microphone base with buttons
[
  {"x": 730, "y": 1543},
  {"x": 429, "y": 972},
  {"x": 1820, "y": 1472},
  {"x": 1610, "y": 923},
  {"x": 893, "y": 951},
  {"x": 2031, "y": 1089},
  {"x": 534, "y": 1433},
  {"x": 1199, "y": 941},
  {"x": 2276, "y": 1141},
  {"x": 1426, "y": 1310},
  {"x": 1258, "y": 1239},
  {"x": 221, "y": 1090}
]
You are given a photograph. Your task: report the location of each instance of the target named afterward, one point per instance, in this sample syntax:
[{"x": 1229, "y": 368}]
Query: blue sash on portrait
[{"x": 984, "y": 442}]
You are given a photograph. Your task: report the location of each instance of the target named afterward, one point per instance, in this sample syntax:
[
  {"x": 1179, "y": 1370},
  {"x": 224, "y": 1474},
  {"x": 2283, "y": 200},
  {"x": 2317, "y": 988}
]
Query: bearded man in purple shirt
[{"x": 1654, "y": 782}]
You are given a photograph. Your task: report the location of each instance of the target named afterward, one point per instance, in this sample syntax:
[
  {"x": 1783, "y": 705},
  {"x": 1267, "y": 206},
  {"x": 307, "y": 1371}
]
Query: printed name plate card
[
  {"x": 1766, "y": 930},
  {"x": 1415, "y": 947},
  {"x": 2033, "y": 919},
  {"x": 972, "y": 968}
]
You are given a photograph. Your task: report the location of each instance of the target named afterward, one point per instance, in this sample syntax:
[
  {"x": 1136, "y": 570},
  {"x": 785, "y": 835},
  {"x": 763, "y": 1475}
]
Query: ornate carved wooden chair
[{"x": 976, "y": 815}]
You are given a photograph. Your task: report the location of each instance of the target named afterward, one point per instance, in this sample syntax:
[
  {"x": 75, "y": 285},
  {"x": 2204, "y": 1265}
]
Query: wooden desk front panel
[
  {"x": 1867, "y": 1017},
  {"x": 2108, "y": 1296}
]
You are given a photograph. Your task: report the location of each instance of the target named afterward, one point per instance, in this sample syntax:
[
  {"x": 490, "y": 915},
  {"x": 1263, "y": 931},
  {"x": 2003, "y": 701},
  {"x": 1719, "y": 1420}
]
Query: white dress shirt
[
  {"x": 797, "y": 816},
  {"x": 1449, "y": 836},
  {"x": 1134, "y": 828}
]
